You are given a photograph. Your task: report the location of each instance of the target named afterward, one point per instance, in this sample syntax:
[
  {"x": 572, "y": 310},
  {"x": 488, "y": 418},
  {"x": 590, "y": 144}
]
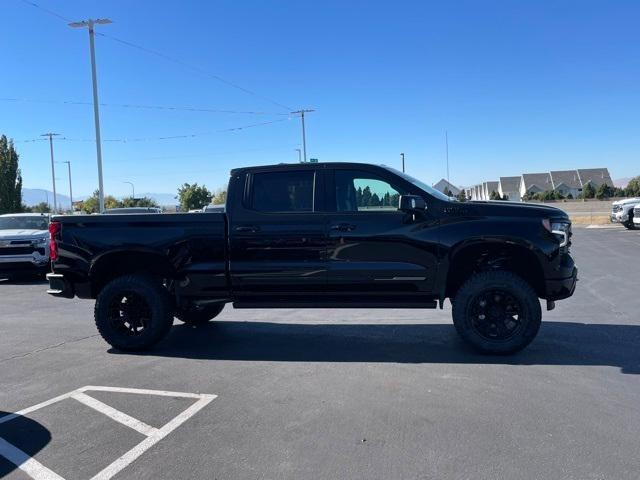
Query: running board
[{"x": 321, "y": 304}]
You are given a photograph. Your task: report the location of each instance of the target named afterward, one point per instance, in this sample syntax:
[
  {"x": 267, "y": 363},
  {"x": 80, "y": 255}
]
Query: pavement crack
[{"x": 48, "y": 347}]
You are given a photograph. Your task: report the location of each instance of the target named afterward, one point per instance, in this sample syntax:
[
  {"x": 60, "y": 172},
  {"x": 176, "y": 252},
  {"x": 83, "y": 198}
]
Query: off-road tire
[
  {"x": 472, "y": 294},
  {"x": 629, "y": 225},
  {"x": 199, "y": 316},
  {"x": 154, "y": 300}
]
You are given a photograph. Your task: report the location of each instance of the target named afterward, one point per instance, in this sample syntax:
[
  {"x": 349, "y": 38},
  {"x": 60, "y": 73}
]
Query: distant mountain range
[{"x": 33, "y": 196}]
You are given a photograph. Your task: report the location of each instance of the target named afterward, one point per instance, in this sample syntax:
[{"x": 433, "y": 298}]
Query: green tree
[
  {"x": 375, "y": 200},
  {"x": 10, "y": 178},
  {"x": 359, "y": 197},
  {"x": 138, "y": 202},
  {"x": 366, "y": 197},
  {"x": 42, "y": 207},
  {"x": 604, "y": 191},
  {"x": 588, "y": 191},
  {"x": 633, "y": 187},
  {"x": 494, "y": 195},
  {"x": 194, "y": 196},
  {"x": 92, "y": 204},
  {"x": 462, "y": 196},
  {"x": 220, "y": 198}
]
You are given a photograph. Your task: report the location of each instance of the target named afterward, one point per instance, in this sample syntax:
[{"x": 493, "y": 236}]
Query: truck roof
[{"x": 303, "y": 166}]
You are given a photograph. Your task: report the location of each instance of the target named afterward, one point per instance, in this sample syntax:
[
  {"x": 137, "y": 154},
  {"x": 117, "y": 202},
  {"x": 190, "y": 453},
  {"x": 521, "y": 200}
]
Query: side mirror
[{"x": 411, "y": 203}]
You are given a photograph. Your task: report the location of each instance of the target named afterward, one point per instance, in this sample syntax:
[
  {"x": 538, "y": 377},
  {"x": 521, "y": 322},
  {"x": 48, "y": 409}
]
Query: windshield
[
  {"x": 24, "y": 223},
  {"x": 421, "y": 185}
]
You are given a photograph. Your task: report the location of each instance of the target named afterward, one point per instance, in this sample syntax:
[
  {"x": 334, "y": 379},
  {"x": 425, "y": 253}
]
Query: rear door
[
  {"x": 277, "y": 234},
  {"x": 374, "y": 250}
]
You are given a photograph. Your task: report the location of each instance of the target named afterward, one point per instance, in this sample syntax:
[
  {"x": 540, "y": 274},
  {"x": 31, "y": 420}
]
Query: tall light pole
[
  {"x": 133, "y": 190},
  {"x": 299, "y": 155},
  {"x": 304, "y": 136},
  {"x": 96, "y": 114},
  {"x": 53, "y": 169},
  {"x": 402, "y": 155},
  {"x": 70, "y": 187}
]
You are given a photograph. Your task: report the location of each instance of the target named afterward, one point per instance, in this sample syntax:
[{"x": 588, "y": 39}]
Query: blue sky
[{"x": 519, "y": 86}]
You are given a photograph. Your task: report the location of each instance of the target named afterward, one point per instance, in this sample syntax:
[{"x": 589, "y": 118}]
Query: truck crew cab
[{"x": 320, "y": 236}]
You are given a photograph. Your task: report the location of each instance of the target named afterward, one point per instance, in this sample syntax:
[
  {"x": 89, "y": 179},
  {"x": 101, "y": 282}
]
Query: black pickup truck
[{"x": 320, "y": 236}]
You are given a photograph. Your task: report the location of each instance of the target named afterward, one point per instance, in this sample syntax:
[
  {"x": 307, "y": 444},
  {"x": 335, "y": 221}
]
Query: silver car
[{"x": 24, "y": 244}]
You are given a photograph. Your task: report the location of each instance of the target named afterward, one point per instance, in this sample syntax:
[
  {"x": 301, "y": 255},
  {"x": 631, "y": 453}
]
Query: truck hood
[
  {"x": 517, "y": 209},
  {"x": 626, "y": 201},
  {"x": 22, "y": 234}
]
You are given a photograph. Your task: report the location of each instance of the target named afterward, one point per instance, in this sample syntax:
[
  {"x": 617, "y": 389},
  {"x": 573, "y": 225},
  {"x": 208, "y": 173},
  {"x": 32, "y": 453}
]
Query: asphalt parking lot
[{"x": 330, "y": 394}]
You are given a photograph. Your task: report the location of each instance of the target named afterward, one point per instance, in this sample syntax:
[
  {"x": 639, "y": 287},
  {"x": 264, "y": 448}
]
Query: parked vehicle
[
  {"x": 214, "y": 209},
  {"x": 130, "y": 210},
  {"x": 636, "y": 216},
  {"x": 622, "y": 212},
  {"x": 320, "y": 235},
  {"x": 24, "y": 244}
]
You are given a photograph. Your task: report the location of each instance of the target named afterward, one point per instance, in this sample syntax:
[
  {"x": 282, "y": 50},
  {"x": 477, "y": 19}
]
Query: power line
[
  {"x": 139, "y": 106},
  {"x": 194, "y": 68},
  {"x": 46, "y": 10},
  {"x": 166, "y": 57},
  {"x": 168, "y": 137}
]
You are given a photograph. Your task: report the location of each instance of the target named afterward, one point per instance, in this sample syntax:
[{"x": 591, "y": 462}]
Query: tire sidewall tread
[
  {"x": 511, "y": 283},
  {"x": 158, "y": 300}
]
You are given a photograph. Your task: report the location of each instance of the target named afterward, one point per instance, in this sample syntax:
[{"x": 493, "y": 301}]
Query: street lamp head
[{"x": 90, "y": 23}]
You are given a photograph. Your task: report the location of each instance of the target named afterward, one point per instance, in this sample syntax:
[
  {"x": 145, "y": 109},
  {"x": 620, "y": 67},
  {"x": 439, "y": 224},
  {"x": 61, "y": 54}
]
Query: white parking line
[
  {"x": 28, "y": 465},
  {"x": 38, "y": 471},
  {"x": 114, "y": 414}
]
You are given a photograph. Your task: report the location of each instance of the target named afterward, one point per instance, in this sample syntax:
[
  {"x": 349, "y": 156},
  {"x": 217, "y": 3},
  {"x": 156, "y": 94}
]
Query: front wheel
[
  {"x": 629, "y": 225},
  {"x": 199, "y": 316},
  {"x": 133, "y": 312},
  {"x": 497, "y": 312}
]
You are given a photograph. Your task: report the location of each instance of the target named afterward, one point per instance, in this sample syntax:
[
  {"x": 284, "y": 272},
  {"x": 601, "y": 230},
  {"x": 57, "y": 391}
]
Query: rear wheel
[
  {"x": 199, "y": 316},
  {"x": 133, "y": 312},
  {"x": 497, "y": 312}
]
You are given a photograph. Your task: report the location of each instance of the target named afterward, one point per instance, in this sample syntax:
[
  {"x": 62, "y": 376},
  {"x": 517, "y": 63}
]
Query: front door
[
  {"x": 376, "y": 251},
  {"x": 278, "y": 236}
]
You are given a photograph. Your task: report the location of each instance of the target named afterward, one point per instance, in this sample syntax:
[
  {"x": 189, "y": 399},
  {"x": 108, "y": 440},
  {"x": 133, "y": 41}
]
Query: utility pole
[
  {"x": 299, "y": 155},
  {"x": 446, "y": 141},
  {"x": 53, "y": 169},
  {"x": 70, "y": 187},
  {"x": 402, "y": 155},
  {"x": 96, "y": 114},
  {"x": 304, "y": 137},
  {"x": 133, "y": 190}
]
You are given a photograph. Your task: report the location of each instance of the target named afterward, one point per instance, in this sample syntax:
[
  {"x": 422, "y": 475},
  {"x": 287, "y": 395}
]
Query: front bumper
[
  {"x": 619, "y": 217},
  {"x": 564, "y": 284},
  {"x": 19, "y": 264}
]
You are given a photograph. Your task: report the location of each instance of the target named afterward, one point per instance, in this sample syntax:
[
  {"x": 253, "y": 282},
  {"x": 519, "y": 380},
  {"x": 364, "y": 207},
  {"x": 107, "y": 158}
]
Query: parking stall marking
[{"x": 37, "y": 471}]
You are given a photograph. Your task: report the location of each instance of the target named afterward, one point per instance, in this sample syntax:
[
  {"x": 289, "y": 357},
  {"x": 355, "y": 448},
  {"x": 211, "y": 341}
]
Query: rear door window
[{"x": 278, "y": 192}]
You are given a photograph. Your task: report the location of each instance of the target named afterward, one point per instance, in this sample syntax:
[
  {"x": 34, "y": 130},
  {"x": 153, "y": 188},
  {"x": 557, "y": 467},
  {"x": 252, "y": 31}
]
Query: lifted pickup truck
[{"x": 320, "y": 235}]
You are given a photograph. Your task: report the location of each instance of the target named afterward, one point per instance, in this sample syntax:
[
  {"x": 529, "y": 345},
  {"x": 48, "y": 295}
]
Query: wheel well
[
  {"x": 117, "y": 264},
  {"x": 488, "y": 256}
]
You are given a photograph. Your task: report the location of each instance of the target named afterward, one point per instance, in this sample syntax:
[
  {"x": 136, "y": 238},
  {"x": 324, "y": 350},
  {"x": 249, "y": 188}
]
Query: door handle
[
  {"x": 247, "y": 228},
  {"x": 343, "y": 227}
]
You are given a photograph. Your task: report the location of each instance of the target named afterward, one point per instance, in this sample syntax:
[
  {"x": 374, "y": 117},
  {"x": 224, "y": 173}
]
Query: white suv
[
  {"x": 622, "y": 212},
  {"x": 24, "y": 244},
  {"x": 636, "y": 216}
]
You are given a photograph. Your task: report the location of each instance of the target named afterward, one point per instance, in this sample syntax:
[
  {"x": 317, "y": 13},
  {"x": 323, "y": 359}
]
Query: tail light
[{"x": 54, "y": 230}]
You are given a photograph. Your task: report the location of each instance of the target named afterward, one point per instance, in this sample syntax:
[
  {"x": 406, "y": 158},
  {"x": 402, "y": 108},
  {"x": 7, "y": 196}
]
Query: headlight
[
  {"x": 561, "y": 229},
  {"x": 41, "y": 242}
]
